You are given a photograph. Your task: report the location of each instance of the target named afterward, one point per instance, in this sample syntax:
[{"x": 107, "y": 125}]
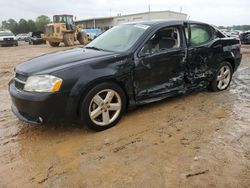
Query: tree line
[{"x": 25, "y": 26}]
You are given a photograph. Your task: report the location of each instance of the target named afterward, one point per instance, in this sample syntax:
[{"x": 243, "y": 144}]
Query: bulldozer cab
[{"x": 67, "y": 19}]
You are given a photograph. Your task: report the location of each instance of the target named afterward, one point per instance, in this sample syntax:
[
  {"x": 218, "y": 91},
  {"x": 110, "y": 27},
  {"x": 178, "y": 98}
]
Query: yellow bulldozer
[{"x": 63, "y": 29}]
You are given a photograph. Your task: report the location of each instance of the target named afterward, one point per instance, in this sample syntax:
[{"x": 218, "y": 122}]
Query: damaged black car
[
  {"x": 35, "y": 38},
  {"x": 127, "y": 66}
]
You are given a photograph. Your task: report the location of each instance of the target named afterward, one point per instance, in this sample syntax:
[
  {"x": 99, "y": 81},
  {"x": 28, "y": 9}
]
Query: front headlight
[
  {"x": 1, "y": 39},
  {"x": 43, "y": 83}
]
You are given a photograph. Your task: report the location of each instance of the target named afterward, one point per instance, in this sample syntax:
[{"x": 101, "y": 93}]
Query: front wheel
[
  {"x": 83, "y": 38},
  {"x": 68, "y": 39},
  {"x": 103, "y": 106},
  {"x": 223, "y": 77}
]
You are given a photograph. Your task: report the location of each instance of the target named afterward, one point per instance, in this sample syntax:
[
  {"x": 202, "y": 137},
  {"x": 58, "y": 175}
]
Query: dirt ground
[{"x": 197, "y": 140}]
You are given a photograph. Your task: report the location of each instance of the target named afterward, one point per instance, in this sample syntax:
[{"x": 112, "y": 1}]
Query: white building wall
[
  {"x": 110, "y": 22},
  {"x": 149, "y": 16}
]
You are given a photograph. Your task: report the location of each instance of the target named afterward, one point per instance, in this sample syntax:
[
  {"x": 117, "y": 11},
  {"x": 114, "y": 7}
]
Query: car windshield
[
  {"x": 3, "y": 34},
  {"x": 119, "y": 38}
]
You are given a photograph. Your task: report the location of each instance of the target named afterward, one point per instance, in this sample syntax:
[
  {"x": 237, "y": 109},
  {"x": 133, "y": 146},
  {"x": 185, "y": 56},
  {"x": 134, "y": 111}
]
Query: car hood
[{"x": 58, "y": 60}]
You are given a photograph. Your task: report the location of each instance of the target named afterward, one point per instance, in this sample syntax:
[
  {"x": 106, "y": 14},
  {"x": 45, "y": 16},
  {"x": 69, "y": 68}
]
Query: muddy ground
[{"x": 197, "y": 140}]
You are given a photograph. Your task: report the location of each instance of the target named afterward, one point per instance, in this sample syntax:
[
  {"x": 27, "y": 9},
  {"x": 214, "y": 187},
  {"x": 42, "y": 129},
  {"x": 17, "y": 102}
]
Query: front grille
[
  {"x": 8, "y": 39},
  {"x": 19, "y": 85},
  {"x": 20, "y": 81},
  {"x": 21, "y": 77},
  {"x": 49, "y": 30}
]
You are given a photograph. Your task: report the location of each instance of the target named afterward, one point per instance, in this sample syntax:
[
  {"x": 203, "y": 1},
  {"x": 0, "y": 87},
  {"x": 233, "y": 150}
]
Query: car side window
[
  {"x": 200, "y": 34},
  {"x": 164, "y": 39}
]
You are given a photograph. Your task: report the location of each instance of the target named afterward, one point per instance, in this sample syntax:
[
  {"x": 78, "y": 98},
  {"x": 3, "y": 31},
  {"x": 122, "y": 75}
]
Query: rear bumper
[
  {"x": 237, "y": 62},
  {"x": 38, "y": 41}
]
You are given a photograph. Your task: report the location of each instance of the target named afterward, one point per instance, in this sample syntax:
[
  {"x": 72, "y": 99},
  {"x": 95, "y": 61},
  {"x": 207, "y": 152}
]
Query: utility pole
[{"x": 149, "y": 12}]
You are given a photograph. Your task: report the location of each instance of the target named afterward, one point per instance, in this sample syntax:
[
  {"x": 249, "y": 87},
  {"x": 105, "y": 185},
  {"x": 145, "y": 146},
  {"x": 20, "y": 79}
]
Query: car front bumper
[
  {"x": 8, "y": 43},
  {"x": 38, "y": 41},
  {"x": 38, "y": 108}
]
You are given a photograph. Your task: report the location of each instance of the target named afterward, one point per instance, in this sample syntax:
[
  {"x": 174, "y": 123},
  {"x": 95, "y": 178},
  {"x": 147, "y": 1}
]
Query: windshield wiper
[{"x": 94, "y": 48}]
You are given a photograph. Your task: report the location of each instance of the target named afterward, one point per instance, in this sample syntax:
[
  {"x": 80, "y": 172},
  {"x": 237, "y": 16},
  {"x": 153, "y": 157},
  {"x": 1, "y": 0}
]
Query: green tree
[
  {"x": 41, "y": 22},
  {"x": 31, "y": 26},
  {"x": 10, "y": 24},
  {"x": 22, "y": 26}
]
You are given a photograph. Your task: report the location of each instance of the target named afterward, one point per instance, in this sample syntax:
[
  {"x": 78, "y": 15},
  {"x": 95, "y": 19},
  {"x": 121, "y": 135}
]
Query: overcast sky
[{"x": 217, "y": 12}]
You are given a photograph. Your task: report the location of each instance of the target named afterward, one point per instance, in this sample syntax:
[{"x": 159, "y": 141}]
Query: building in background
[{"x": 105, "y": 23}]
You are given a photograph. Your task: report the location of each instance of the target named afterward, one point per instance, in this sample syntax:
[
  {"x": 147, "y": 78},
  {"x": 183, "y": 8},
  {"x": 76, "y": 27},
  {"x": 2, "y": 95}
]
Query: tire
[
  {"x": 54, "y": 44},
  {"x": 68, "y": 39},
  {"x": 83, "y": 38},
  {"x": 108, "y": 111},
  {"x": 222, "y": 78}
]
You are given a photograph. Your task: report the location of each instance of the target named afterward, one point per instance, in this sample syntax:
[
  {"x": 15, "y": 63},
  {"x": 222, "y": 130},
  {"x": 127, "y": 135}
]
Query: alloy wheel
[
  {"x": 223, "y": 77},
  {"x": 105, "y": 107}
]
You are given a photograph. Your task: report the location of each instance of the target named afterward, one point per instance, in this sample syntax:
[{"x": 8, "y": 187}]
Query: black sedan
[
  {"x": 245, "y": 37},
  {"x": 35, "y": 38},
  {"x": 128, "y": 65}
]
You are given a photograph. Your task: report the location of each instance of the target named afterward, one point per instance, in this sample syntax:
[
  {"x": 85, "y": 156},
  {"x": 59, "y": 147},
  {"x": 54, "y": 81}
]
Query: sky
[{"x": 217, "y": 12}]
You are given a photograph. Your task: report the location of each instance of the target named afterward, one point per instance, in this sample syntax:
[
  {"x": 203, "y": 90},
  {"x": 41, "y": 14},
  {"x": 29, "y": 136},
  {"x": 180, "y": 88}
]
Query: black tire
[
  {"x": 87, "y": 102},
  {"x": 54, "y": 44},
  {"x": 83, "y": 38},
  {"x": 214, "y": 83},
  {"x": 68, "y": 39}
]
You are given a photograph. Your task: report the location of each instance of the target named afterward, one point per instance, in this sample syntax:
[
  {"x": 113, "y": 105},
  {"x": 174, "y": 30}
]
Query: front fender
[{"x": 119, "y": 72}]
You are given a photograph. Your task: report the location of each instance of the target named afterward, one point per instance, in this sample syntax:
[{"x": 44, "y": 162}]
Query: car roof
[{"x": 165, "y": 21}]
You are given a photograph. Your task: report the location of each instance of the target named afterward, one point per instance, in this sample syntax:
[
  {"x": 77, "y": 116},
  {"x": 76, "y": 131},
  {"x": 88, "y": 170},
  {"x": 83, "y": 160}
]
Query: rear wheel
[
  {"x": 103, "y": 106},
  {"x": 83, "y": 38},
  {"x": 54, "y": 44},
  {"x": 223, "y": 77},
  {"x": 68, "y": 39}
]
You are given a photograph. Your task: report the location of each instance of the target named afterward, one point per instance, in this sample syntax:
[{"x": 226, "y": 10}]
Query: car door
[
  {"x": 161, "y": 64},
  {"x": 201, "y": 53}
]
